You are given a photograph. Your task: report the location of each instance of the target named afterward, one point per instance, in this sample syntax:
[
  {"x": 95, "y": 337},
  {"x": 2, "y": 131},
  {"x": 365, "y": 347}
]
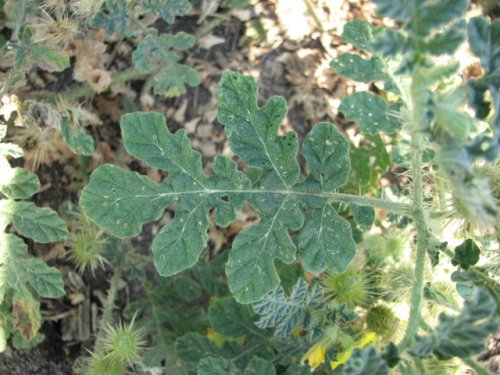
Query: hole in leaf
[{"x": 224, "y": 198}]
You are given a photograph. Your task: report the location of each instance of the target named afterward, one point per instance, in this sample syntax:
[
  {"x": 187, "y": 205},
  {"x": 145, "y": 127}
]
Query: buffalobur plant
[{"x": 444, "y": 126}]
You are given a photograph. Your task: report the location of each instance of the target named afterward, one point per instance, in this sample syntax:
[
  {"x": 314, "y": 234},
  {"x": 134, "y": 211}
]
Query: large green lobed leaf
[{"x": 122, "y": 201}]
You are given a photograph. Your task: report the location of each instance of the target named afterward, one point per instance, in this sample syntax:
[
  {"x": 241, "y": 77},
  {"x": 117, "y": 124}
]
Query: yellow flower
[
  {"x": 342, "y": 357},
  {"x": 315, "y": 356},
  {"x": 367, "y": 339}
]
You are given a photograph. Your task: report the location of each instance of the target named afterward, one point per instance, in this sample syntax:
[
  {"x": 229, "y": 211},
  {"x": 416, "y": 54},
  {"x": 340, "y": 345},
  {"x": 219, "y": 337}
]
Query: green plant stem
[
  {"x": 423, "y": 233},
  {"x": 396, "y": 207},
  {"x": 81, "y": 91},
  {"x": 478, "y": 369},
  {"x": 141, "y": 257},
  {"x": 107, "y": 313}
]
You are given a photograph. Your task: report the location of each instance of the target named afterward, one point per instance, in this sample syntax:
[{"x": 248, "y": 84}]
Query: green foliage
[
  {"x": 418, "y": 40},
  {"x": 17, "y": 271},
  {"x": 76, "y": 138},
  {"x": 285, "y": 313},
  {"x": 154, "y": 56},
  {"x": 366, "y": 361},
  {"x": 466, "y": 254},
  {"x": 114, "y": 196},
  {"x": 114, "y": 16},
  {"x": 167, "y": 9},
  {"x": 463, "y": 335},
  {"x": 38, "y": 39},
  {"x": 357, "y": 68}
]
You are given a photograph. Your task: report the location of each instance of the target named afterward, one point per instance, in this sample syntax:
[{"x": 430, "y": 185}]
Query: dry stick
[{"x": 86, "y": 90}]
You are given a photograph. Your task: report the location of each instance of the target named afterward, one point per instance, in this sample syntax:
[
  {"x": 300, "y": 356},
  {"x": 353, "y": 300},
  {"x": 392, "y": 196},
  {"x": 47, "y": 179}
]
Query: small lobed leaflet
[{"x": 284, "y": 199}]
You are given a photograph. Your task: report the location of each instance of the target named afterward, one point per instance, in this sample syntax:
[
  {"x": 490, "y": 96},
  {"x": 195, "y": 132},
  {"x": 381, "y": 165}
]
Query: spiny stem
[
  {"x": 423, "y": 233},
  {"x": 110, "y": 300}
]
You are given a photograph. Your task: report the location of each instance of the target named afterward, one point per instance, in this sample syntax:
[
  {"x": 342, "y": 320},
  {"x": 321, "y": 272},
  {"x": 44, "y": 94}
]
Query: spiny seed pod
[
  {"x": 55, "y": 5},
  {"x": 86, "y": 9},
  {"x": 380, "y": 248},
  {"x": 101, "y": 364},
  {"x": 381, "y": 320},
  {"x": 352, "y": 287},
  {"x": 123, "y": 344},
  {"x": 450, "y": 367},
  {"x": 86, "y": 251},
  {"x": 87, "y": 246},
  {"x": 443, "y": 294},
  {"x": 396, "y": 283},
  {"x": 54, "y": 30}
]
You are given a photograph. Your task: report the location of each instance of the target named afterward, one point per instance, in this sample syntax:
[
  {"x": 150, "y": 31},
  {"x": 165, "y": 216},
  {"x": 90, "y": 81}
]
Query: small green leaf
[
  {"x": 154, "y": 51},
  {"x": 167, "y": 9},
  {"x": 46, "y": 281},
  {"x": 114, "y": 16},
  {"x": 364, "y": 216},
  {"x": 230, "y": 318},
  {"x": 366, "y": 361},
  {"x": 399, "y": 9},
  {"x": 51, "y": 60},
  {"x": 424, "y": 15},
  {"x": 484, "y": 41},
  {"x": 360, "y": 34},
  {"x": 122, "y": 201},
  {"x": 391, "y": 43},
  {"x": 186, "y": 287},
  {"x": 285, "y": 313},
  {"x": 41, "y": 224},
  {"x": 370, "y": 112},
  {"x": 448, "y": 40},
  {"x": 173, "y": 80},
  {"x": 432, "y": 14},
  {"x": 193, "y": 347},
  {"x": 17, "y": 183},
  {"x": 326, "y": 241},
  {"x": 466, "y": 254},
  {"x": 212, "y": 366},
  {"x": 75, "y": 137},
  {"x": 252, "y": 131},
  {"x": 357, "y": 68},
  {"x": 250, "y": 269},
  {"x": 327, "y": 155},
  {"x": 259, "y": 366},
  {"x": 463, "y": 335}
]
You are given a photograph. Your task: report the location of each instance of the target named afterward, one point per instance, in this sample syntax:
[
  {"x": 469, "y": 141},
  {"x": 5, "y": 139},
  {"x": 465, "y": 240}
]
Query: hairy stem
[
  {"x": 140, "y": 257},
  {"x": 423, "y": 234},
  {"x": 478, "y": 369},
  {"x": 107, "y": 313}
]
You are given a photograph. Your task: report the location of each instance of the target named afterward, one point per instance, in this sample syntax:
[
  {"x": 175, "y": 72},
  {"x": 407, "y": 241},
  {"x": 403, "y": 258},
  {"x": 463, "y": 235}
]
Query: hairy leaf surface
[
  {"x": 285, "y": 201},
  {"x": 359, "y": 69},
  {"x": 167, "y": 9},
  {"x": 462, "y": 335},
  {"x": 370, "y": 112},
  {"x": 285, "y": 313}
]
